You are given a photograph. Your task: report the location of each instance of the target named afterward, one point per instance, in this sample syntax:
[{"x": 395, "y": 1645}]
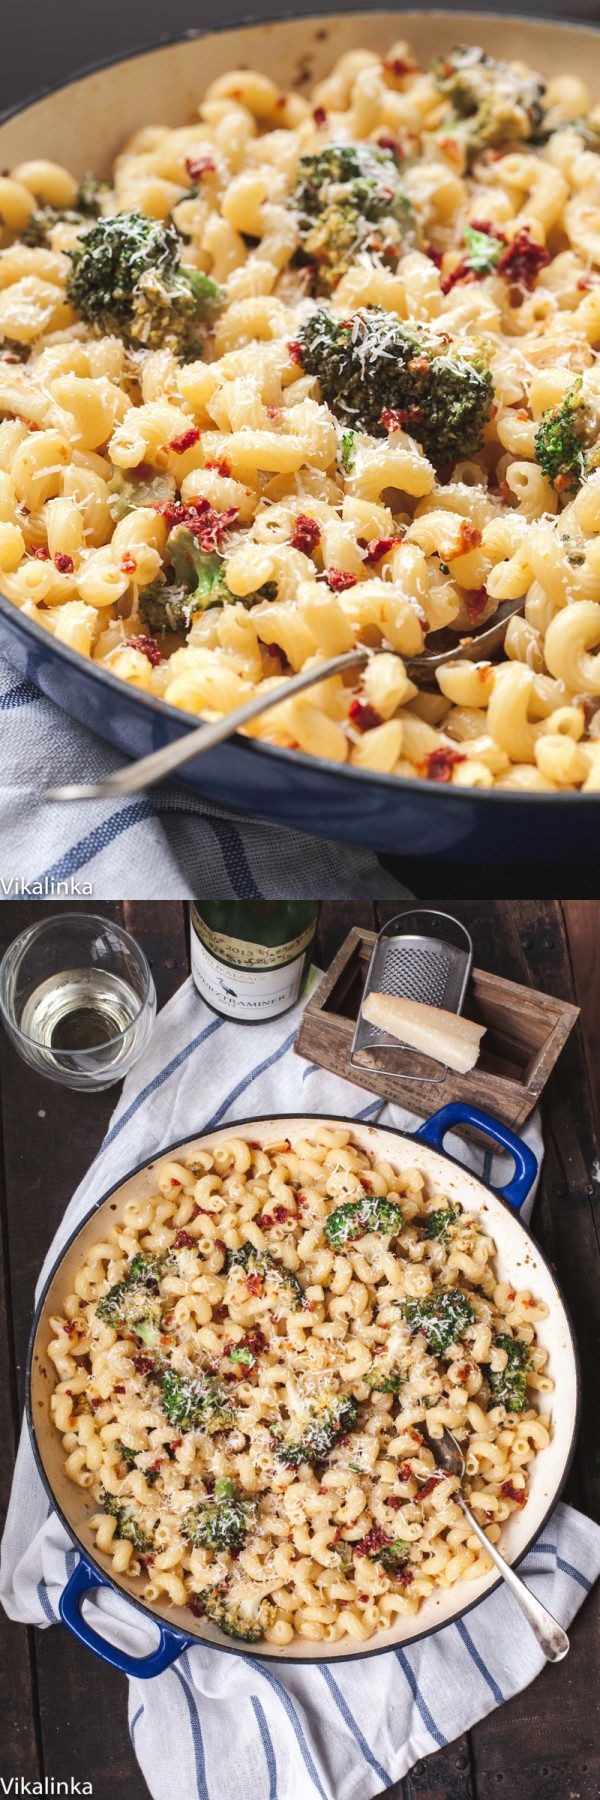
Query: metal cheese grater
[{"x": 420, "y": 955}]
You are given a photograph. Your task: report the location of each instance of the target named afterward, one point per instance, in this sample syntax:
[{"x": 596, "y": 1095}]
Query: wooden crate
[{"x": 525, "y": 1033}]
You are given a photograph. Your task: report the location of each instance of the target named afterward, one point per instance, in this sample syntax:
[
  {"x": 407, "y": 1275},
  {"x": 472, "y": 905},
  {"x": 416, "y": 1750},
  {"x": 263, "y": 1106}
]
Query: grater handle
[{"x": 458, "y": 1112}]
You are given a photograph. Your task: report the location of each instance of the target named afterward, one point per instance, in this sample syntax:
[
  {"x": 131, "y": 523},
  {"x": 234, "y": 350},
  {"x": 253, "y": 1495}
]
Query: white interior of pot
[
  {"x": 517, "y": 1260},
  {"x": 85, "y": 124}
]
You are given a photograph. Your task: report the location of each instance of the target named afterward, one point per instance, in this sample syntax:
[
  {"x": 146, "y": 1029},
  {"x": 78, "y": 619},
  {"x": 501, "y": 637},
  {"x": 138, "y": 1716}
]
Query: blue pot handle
[
  {"x": 458, "y": 1112},
  {"x": 81, "y": 1582}
]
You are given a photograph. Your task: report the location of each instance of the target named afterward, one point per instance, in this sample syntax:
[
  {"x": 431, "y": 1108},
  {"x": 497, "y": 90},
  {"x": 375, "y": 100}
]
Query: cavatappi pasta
[
  {"x": 246, "y": 1367},
  {"x": 202, "y": 514}
]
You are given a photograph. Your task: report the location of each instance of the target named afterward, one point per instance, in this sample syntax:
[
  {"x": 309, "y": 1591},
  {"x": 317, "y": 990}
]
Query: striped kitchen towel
[
  {"x": 169, "y": 844},
  {"x": 215, "y": 1724}
]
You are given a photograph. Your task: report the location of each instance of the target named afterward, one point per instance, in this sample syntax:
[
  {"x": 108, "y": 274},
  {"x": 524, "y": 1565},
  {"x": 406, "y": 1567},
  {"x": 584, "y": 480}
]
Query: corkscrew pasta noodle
[
  {"x": 203, "y": 514},
  {"x": 248, "y": 1366}
]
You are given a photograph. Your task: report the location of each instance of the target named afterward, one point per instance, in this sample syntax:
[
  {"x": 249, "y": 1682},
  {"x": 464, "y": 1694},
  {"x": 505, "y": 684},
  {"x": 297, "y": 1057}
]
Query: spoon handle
[
  {"x": 550, "y": 1635},
  {"x": 159, "y": 763}
]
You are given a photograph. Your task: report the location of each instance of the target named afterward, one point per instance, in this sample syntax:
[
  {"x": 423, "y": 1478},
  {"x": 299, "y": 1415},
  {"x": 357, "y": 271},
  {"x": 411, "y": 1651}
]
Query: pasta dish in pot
[{"x": 247, "y": 1365}]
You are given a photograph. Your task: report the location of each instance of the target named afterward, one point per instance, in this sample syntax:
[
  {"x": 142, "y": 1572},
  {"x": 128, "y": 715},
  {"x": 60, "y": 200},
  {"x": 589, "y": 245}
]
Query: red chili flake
[
  {"x": 128, "y": 564},
  {"x": 435, "y": 255},
  {"x": 391, "y": 143},
  {"x": 301, "y": 1200},
  {"x": 295, "y": 351},
  {"x": 219, "y": 463},
  {"x": 185, "y": 440},
  {"x": 464, "y": 272},
  {"x": 95, "y": 1402},
  {"x": 404, "y": 1472},
  {"x": 522, "y": 260},
  {"x": 366, "y": 1184},
  {"x": 438, "y": 765},
  {"x": 428, "y": 1486},
  {"x": 254, "y": 1283},
  {"x": 378, "y": 547},
  {"x": 154, "y": 1467},
  {"x": 376, "y": 1539},
  {"x": 397, "y": 65},
  {"x": 364, "y": 716},
  {"x": 364, "y": 1598},
  {"x": 476, "y": 600},
  {"x": 42, "y": 554},
  {"x": 469, "y": 538},
  {"x": 199, "y": 164},
  {"x": 144, "y": 1365},
  {"x": 175, "y": 1444},
  {"x": 319, "y": 115},
  {"x": 147, "y": 647},
  {"x": 64, "y": 563},
  {"x": 511, "y": 1295},
  {"x": 489, "y": 230},
  {"x": 306, "y": 534},
  {"x": 120, "y": 1389},
  {"x": 219, "y": 1244},
  {"x": 339, "y": 579},
  {"x": 396, "y": 418},
  {"x": 264, "y": 1220},
  {"x": 196, "y": 1606},
  {"x": 196, "y": 1209},
  {"x": 465, "y": 1371},
  {"x": 584, "y": 281},
  {"x": 185, "y": 1241},
  {"x": 202, "y": 519},
  {"x": 220, "y": 1313},
  {"x": 148, "y": 1559},
  {"x": 513, "y": 1493}
]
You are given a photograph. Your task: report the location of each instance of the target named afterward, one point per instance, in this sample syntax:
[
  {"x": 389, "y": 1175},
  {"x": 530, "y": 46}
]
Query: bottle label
[
  {"x": 243, "y": 953},
  {"x": 241, "y": 992}
]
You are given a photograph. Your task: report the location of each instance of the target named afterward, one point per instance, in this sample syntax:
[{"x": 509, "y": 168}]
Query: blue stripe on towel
[
  {"x": 575, "y": 1574},
  {"x": 134, "y": 1722},
  {"x": 98, "y": 839},
  {"x": 247, "y": 1081},
  {"x": 234, "y": 857},
  {"x": 290, "y": 1709},
  {"x": 351, "y": 1722},
  {"x": 43, "y": 1597},
  {"x": 199, "y": 1759},
  {"x": 420, "y": 1703},
  {"x": 479, "y": 1662},
  {"x": 266, "y": 1744},
  {"x": 22, "y": 694},
  {"x": 376, "y": 1106},
  {"x": 159, "y": 1080}
]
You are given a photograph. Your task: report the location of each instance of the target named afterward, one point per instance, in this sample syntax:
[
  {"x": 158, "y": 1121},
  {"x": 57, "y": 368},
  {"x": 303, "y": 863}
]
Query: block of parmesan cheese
[{"x": 446, "y": 1036}]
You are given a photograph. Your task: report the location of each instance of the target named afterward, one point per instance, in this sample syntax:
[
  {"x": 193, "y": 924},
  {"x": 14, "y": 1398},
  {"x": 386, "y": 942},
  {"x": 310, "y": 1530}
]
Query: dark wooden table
[{"x": 62, "y": 1712}]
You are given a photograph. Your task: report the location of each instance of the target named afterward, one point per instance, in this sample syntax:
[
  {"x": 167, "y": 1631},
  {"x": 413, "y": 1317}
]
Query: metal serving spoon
[
  {"x": 159, "y": 763},
  {"x": 154, "y": 768},
  {"x": 550, "y": 1635},
  {"x": 444, "y": 646}
]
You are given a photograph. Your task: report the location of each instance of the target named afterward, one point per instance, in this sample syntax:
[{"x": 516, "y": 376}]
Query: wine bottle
[{"x": 250, "y": 959}]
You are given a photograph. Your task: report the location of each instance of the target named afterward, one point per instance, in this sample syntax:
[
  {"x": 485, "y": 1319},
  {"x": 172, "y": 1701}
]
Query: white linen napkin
[{"x": 214, "y": 1724}]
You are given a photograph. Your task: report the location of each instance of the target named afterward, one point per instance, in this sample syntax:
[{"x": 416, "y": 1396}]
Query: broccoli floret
[
  {"x": 563, "y": 442},
  {"x": 91, "y": 194},
  {"x": 190, "y": 1401},
  {"x": 374, "y": 364},
  {"x": 442, "y": 1317},
  {"x": 126, "y": 279},
  {"x": 483, "y": 251},
  {"x": 384, "y": 1380},
  {"x": 222, "y": 1523},
  {"x": 195, "y": 580},
  {"x": 392, "y": 1553},
  {"x": 349, "y": 199},
  {"x": 440, "y": 1223},
  {"x": 131, "y": 1303},
  {"x": 492, "y": 104},
  {"x": 508, "y": 1385},
  {"x": 127, "y": 491},
  {"x": 246, "y": 1619},
  {"x": 128, "y": 1525},
  {"x": 335, "y": 1415},
  {"x": 269, "y": 1276},
  {"x": 347, "y": 451},
  {"x": 356, "y": 1217}
]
